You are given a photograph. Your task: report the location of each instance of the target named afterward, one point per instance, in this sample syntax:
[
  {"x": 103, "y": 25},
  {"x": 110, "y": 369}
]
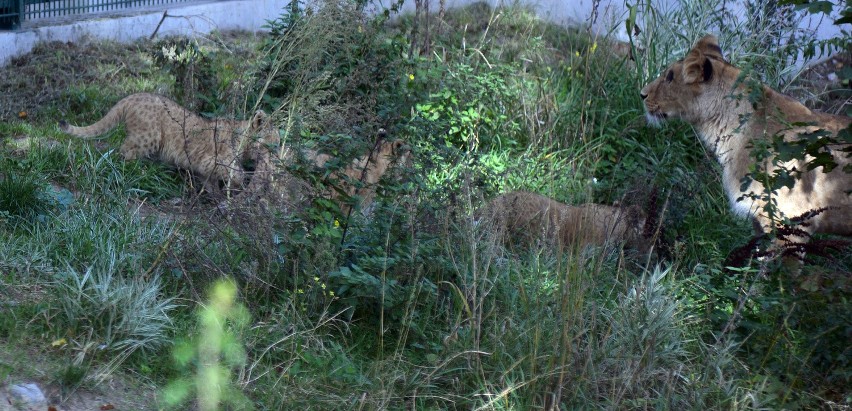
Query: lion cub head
[
  {"x": 380, "y": 159},
  {"x": 354, "y": 184},
  {"x": 686, "y": 88},
  {"x": 361, "y": 176}
]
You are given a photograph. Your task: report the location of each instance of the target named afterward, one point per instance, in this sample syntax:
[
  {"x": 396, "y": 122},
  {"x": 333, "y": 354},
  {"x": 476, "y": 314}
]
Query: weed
[
  {"x": 216, "y": 344},
  {"x": 102, "y": 312},
  {"x": 23, "y": 194}
]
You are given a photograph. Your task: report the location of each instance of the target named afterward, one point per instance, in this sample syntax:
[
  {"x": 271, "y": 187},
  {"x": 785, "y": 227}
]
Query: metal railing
[{"x": 15, "y": 12}]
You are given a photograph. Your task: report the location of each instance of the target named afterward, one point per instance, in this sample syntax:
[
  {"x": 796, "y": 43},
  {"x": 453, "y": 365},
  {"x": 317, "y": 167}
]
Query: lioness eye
[{"x": 669, "y": 76}]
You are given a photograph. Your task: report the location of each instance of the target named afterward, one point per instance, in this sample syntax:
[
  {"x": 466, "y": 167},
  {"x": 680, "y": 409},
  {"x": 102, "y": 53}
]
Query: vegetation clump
[{"x": 412, "y": 302}]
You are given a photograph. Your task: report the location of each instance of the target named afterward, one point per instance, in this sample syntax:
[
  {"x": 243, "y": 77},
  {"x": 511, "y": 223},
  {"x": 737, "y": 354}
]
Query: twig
[{"x": 154, "y": 34}]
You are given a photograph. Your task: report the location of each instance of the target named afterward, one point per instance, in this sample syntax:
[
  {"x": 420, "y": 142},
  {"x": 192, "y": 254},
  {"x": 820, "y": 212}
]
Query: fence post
[
  {"x": 21, "y": 9},
  {"x": 12, "y": 12}
]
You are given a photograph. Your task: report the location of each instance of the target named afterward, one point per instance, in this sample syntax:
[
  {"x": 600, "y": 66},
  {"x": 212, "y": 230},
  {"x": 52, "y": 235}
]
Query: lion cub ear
[
  {"x": 397, "y": 147},
  {"x": 258, "y": 119}
]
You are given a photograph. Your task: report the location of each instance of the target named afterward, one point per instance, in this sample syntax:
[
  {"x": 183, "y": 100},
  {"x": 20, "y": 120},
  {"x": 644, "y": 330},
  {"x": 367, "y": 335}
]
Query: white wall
[
  {"x": 612, "y": 13},
  {"x": 125, "y": 26},
  {"x": 202, "y": 17}
]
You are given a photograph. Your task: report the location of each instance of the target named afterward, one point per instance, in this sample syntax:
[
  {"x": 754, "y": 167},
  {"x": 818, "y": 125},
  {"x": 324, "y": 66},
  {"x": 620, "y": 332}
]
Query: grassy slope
[{"x": 418, "y": 307}]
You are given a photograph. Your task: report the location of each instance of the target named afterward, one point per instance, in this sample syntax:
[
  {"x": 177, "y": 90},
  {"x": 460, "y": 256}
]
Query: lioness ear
[
  {"x": 258, "y": 118},
  {"x": 709, "y": 45},
  {"x": 697, "y": 67}
]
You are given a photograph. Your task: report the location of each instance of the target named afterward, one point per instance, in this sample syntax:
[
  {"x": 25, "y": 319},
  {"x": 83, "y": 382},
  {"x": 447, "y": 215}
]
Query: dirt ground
[
  {"x": 23, "y": 365},
  {"x": 821, "y": 88}
]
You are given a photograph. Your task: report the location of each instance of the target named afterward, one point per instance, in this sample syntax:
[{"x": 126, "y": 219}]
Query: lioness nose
[{"x": 643, "y": 95}]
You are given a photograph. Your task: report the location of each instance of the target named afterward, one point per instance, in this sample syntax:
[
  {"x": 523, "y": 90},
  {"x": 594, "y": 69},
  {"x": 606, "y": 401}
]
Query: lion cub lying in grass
[
  {"x": 525, "y": 217},
  {"x": 706, "y": 91},
  {"x": 158, "y": 128},
  {"x": 357, "y": 180}
]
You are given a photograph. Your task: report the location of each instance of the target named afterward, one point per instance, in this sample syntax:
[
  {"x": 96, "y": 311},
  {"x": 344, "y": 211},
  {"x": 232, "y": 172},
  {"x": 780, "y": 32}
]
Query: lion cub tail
[{"x": 107, "y": 123}]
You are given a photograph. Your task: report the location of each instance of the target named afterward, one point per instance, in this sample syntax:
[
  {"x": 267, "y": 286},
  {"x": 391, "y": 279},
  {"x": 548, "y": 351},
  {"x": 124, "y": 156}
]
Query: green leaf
[
  {"x": 824, "y": 160},
  {"x": 815, "y": 7},
  {"x": 176, "y": 392}
]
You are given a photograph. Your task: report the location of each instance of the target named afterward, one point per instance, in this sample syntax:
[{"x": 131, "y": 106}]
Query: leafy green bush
[{"x": 208, "y": 77}]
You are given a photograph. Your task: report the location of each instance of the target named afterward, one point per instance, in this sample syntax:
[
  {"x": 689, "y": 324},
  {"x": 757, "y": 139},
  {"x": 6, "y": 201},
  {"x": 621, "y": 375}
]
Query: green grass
[{"x": 414, "y": 306}]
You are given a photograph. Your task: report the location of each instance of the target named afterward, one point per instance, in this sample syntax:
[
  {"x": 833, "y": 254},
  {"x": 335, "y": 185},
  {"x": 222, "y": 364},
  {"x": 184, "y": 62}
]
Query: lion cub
[
  {"x": 158, "y": 128},
  {"x": 358, "y": 179},
  {"x": 705, "y": 90},
  {"x": 529, "y": 217}
]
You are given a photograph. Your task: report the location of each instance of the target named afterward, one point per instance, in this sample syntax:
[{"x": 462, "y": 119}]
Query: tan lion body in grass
[
  {"x": 160, "y": 129},
  {"x": 702, "y": 89},
  {"x": 530, "y": 217},
  {"x": 358, "y": 179}
]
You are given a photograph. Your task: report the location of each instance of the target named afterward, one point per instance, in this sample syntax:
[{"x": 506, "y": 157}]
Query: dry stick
[
  {"x": 361, "y": 180},
  {"x": 154, "y": 34},
  {"x": 187, "y": 17},
  {"x": 163, "y": 249},
  {"x": 418, "y": 10}
]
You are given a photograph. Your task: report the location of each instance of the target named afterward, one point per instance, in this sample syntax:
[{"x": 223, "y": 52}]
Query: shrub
[{"x": 99, "y": 311}]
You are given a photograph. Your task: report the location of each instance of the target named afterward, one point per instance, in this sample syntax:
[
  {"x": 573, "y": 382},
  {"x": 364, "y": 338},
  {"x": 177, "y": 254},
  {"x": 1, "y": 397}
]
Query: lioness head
[{"x": 683, "y": 87}]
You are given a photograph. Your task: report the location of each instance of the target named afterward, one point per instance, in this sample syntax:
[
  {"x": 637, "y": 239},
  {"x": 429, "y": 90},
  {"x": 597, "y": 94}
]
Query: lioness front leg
[{"x": 787, "y": 244}]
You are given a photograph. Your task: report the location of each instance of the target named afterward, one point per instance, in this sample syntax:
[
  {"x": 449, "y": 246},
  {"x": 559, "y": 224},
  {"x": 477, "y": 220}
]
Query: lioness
[
  {"x": 358, "y": 179},
  {"x": 706, "y": 91},
  {"x": 159, "y": 128},
  {"x": 528, "y": 217}
]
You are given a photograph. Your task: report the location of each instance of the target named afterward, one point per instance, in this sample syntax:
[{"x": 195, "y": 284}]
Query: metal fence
[{"x": 14, "y": 12}]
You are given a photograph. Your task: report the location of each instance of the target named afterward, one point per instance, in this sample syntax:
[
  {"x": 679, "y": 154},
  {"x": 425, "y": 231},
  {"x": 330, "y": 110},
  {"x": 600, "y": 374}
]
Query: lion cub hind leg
[{"x": 139, "y": 147}]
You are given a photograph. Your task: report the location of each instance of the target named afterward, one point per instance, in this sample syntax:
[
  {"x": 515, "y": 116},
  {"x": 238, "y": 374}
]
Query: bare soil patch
[
  {"x": 822, "y": 87},
  {"x": 36, "y": 79},
  {"x": 35, "y": 365}
]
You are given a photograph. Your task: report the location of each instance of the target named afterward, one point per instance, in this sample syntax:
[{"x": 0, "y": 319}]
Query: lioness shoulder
[{"x": 732, "y": 116}]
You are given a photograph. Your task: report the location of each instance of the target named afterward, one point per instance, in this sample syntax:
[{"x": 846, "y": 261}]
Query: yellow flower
[
  {"x": 336, "y": 223},
  {"x": 411, "y": 77},
  {"x": 594, "y": 47},
  {"x": 577, "y": 53}
]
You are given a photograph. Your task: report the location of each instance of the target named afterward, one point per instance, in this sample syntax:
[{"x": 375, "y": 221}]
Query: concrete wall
[
  {"x": 611, "y": 14},
  {"x": 204, "y": 16},
  {"x": 125, "y": 26}
]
